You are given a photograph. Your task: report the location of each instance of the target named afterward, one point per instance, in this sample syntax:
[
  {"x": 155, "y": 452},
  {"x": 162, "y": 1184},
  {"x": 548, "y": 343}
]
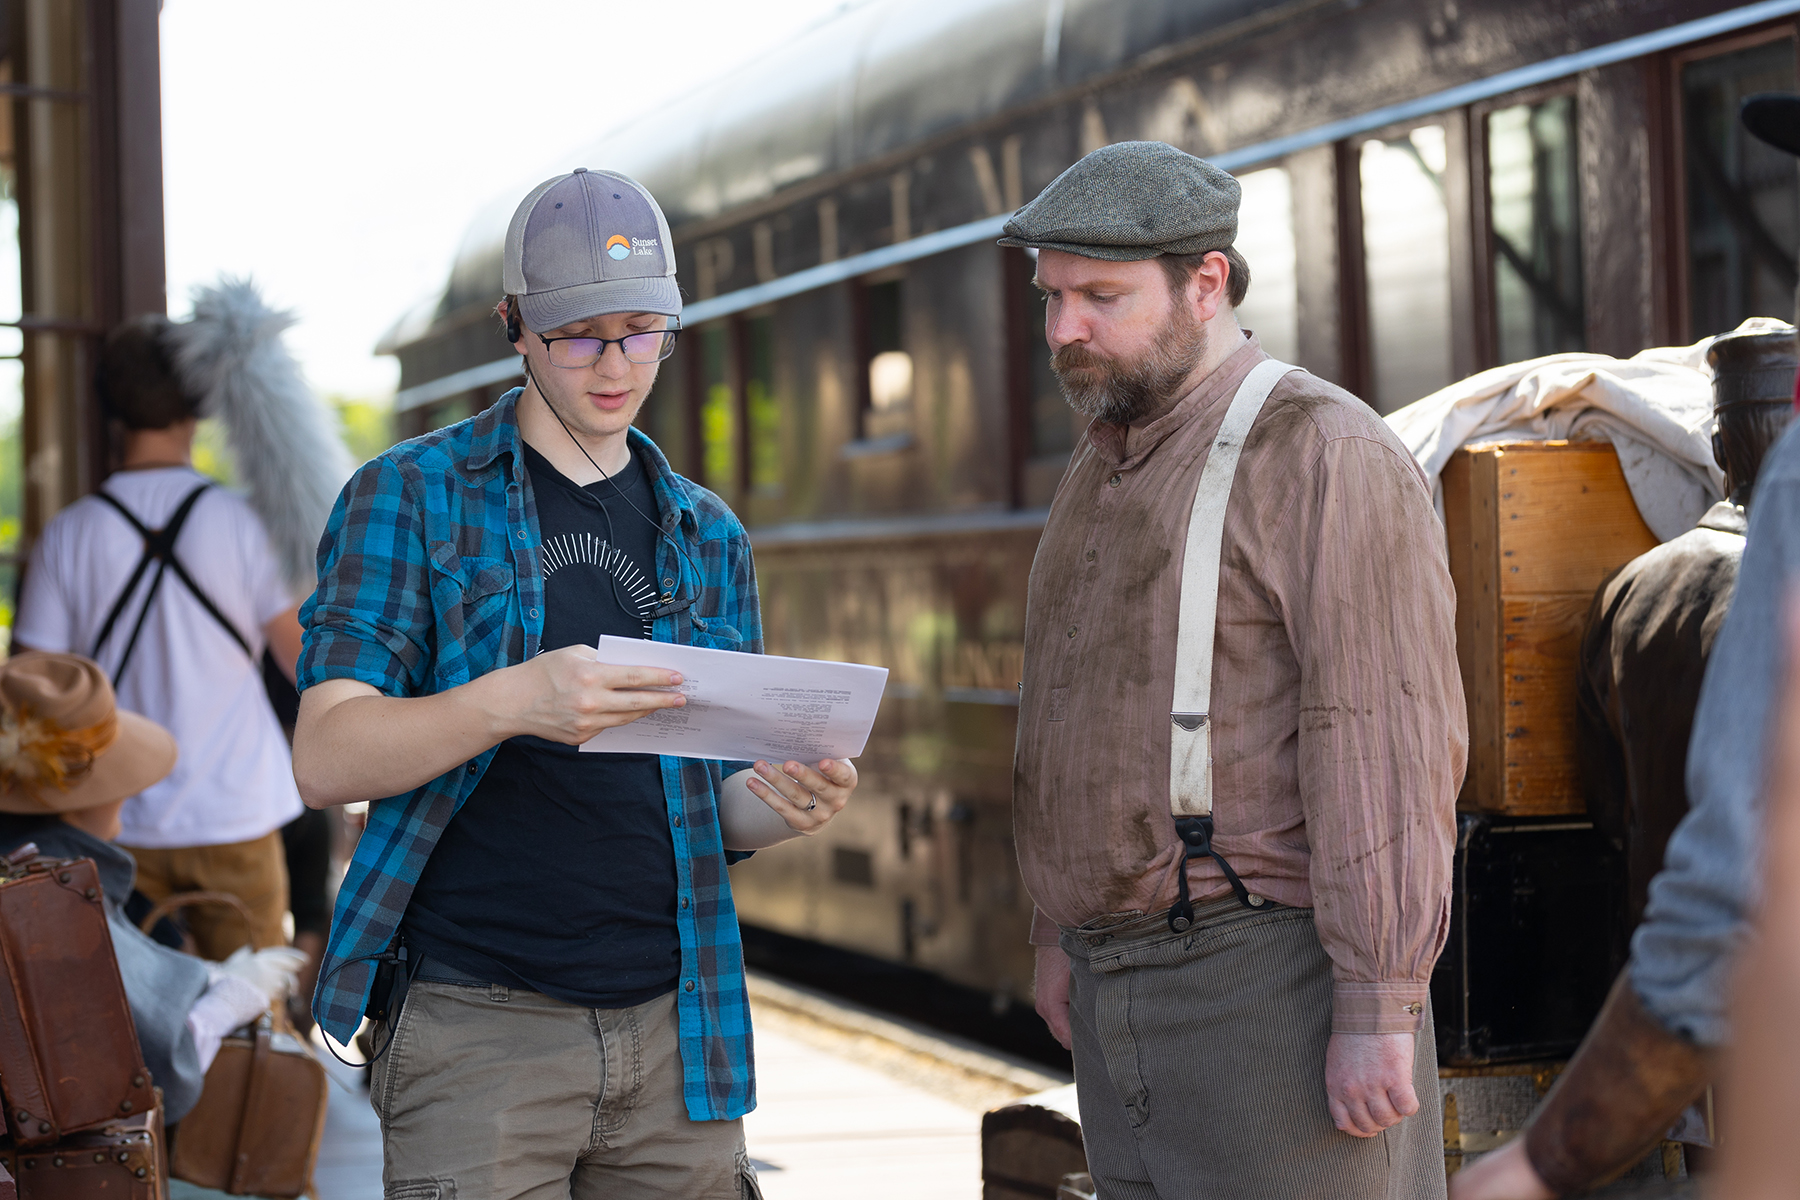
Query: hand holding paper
[{"x": 747, "y": 706}]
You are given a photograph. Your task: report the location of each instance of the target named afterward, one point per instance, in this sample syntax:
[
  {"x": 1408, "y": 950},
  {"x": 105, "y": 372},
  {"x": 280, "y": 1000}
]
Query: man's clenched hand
[{"x": 1368, "y": 1081}]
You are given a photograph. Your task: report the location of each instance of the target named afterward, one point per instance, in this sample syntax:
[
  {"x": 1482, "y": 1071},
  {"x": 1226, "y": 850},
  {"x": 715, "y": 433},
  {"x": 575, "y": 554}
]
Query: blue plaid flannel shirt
[{"x": 429, "y": 578}]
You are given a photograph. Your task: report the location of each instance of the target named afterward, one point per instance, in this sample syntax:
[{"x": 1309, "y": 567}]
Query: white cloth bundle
[{"x": 1655, "y": 408}]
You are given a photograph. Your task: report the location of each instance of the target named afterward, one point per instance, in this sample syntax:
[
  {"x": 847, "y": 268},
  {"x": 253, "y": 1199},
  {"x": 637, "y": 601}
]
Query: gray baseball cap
[{"x": 586, "y": 244}]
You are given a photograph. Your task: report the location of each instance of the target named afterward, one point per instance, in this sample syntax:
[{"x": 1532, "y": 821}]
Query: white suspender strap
[{"x": 1190, "y": 758}]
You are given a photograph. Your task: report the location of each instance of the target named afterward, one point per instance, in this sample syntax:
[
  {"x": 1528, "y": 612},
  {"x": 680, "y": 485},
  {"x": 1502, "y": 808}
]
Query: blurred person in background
[
  {"x": 69, "y": 759},
  {"x": 1655, "y": 1046},
  {"x": 1652, "y": 623},
  {"x": 171, "y": 583}
]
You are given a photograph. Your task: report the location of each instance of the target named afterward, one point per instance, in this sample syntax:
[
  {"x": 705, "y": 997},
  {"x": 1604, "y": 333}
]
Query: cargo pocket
[
  {"x": 384, "y": 1075},
  {"x": 421, "y": 1189},
  {"x": 748, "y": 1188}
]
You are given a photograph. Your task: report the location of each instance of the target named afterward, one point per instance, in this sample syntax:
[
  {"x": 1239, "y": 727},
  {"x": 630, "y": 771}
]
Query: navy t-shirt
[{"x": 558, "y": 873}]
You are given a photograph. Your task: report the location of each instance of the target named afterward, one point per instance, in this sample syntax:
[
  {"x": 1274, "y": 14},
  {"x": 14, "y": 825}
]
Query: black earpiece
[{"x": 514, "y": 330}]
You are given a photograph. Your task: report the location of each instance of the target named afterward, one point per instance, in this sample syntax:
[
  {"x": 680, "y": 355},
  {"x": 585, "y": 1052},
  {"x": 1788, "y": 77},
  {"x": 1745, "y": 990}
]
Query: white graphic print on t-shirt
[{"x": 568, "y": 549}]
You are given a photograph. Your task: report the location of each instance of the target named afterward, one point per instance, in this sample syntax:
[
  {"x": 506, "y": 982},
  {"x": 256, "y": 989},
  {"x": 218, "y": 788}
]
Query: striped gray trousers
[{"x": 1200, "y": 1066}]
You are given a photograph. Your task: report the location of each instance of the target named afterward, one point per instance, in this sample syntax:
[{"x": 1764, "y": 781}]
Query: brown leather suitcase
[
  {"x": 257, "y": 1128},
  {"x": 69, "y": 1057},
  {"x": 121, "y": 1161}
]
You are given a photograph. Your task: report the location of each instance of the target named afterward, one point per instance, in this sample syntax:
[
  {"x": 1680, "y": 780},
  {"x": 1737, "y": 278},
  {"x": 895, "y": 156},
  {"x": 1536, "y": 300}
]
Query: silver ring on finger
[{"x": 814, "y": 803}]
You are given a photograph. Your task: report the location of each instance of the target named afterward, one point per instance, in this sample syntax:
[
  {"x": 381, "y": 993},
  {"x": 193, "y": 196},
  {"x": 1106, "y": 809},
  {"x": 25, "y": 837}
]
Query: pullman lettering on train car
[{"x": 1430, "y": 188}]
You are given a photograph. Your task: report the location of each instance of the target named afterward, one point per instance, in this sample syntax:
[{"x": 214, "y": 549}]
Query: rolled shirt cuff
[
  {"x": 1378, "y": 1007},
  {"x": 1044, "y": 931}
]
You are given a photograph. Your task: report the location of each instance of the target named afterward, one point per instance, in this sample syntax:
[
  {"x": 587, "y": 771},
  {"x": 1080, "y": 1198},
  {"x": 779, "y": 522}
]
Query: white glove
[
  {"x": 274, "y": 972},
  {"x": 229, "y": 1004}
]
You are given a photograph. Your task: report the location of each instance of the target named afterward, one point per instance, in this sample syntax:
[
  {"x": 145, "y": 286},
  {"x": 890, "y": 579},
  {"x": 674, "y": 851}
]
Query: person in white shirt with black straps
[{"x": 171, "y": 583}]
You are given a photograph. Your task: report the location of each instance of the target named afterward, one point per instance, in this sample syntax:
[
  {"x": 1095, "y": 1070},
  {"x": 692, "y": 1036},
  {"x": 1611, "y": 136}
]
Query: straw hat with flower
[{"x": 64, "y": 744}]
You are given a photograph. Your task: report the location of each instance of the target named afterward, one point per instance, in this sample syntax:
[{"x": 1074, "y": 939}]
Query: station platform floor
[{"x": 850, "y": 1103}]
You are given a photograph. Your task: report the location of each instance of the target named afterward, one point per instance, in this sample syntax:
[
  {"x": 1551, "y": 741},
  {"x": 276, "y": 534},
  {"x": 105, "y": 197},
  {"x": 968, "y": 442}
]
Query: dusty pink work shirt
[{"x": 1339, "y": 733}]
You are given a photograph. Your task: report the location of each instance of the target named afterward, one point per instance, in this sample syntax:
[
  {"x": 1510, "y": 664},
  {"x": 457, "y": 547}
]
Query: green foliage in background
[
  {"x": 718, "y": 439},
  {"x": 367, "y": 427},
  {"x": 212, "y": 457}
]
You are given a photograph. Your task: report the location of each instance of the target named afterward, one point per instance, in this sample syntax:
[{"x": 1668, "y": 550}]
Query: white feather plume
[{"x": 284, "y": 440}]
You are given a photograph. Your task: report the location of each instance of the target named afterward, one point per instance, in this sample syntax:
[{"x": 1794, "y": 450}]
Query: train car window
[
  {"x": 1406, "y": 254},
  {"x": 762, "y": 411},
  {"x": 1266, "y": 240},
  {"x": 1743, "y": 199},
  {"x": 718, "y": 411},
  {"x": 1053, "y": 422},
  {"x": 888, "y": 410},
  {"x": 1534, "y": 219}
]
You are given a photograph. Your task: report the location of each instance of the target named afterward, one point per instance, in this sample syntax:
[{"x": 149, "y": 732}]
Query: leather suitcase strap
[{"x": 258, "y": 1109}]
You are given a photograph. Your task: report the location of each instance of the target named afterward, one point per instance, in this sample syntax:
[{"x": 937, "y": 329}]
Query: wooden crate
[{"x": 1533, "y": 528}]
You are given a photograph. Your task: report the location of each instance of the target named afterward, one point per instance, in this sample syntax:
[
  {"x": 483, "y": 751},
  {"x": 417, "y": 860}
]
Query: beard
[{"x": 1120, "y": 391}]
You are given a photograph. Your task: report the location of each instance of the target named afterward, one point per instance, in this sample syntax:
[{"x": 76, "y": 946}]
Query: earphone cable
[{"x": 611, "y": 536}]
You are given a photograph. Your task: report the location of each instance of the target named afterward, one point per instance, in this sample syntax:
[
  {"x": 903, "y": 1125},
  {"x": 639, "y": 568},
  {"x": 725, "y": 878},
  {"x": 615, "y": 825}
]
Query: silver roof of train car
[{"x": 871, "y": 80}]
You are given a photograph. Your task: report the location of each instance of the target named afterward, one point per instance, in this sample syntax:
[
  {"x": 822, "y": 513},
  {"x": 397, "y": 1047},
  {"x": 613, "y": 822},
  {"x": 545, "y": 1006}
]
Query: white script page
[{"x": 747, "y": 706}]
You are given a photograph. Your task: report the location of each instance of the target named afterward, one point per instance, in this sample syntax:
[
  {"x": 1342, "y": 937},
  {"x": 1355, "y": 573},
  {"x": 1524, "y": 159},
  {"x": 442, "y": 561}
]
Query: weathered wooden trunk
[{"x": 1533, "y": 528}]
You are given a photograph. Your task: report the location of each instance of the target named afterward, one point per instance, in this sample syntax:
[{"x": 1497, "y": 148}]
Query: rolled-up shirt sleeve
[
  {"x": 1363, "y": 587},
  {"x": 1697, "y": 917},
  {"x": 370, "y": 617}
]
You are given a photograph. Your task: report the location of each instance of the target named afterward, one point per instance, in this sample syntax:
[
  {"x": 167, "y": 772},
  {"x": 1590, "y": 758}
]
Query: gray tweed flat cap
[{"x": 1131, "y": 201}]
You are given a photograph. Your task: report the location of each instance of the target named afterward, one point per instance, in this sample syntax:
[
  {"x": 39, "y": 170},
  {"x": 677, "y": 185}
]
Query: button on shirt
[
  {"x": 1339, "y": 732},
  {"x": 429, "y": 577}
]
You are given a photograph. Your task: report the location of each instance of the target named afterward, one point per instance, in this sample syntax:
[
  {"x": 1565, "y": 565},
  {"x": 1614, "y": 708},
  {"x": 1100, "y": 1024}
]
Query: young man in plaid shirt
[{"x": 576, "y": 1022}]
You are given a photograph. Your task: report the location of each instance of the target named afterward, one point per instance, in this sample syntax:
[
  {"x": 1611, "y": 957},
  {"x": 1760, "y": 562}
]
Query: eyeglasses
[{"x": 652, "y": 346}]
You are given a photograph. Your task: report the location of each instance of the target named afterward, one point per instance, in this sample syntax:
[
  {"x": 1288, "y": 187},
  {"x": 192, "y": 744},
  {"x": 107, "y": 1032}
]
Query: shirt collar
[
  {"x": 673, "y": 504},
  {"x": 1129, "y": 445},
  {"x": 495, "y": 431},
  {"x": 1725, "y": 517}
]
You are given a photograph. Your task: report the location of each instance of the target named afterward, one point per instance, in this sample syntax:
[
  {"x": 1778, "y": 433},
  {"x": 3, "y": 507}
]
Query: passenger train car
[{"x": 1431, "y": 187}]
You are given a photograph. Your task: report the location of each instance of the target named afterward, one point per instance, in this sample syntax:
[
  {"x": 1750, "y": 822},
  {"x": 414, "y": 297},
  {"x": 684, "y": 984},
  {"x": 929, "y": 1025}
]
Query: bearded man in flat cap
[{"x": 1241, "y": 730}]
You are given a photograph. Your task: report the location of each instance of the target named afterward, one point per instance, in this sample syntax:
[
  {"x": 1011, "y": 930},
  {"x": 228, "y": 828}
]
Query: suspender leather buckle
[{"x": 1196, "y": 834}]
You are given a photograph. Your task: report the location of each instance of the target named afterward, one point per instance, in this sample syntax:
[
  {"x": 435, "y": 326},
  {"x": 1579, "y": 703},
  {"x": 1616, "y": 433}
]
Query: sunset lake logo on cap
[{"x": 618, "y": 248}]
